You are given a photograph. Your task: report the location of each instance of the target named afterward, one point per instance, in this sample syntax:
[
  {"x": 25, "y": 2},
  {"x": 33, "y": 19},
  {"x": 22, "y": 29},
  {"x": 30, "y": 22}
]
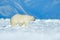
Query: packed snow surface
[{"x": 40, "y": 29}]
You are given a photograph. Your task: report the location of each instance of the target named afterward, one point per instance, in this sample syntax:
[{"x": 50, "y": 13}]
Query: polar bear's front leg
[
  {"x": 26, "y": 23},
  {"x": 20, "y": 23}
]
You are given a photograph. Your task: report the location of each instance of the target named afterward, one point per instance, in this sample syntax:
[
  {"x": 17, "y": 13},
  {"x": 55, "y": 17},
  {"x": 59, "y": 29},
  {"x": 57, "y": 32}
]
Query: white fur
[{"x": 21, "y": 19}]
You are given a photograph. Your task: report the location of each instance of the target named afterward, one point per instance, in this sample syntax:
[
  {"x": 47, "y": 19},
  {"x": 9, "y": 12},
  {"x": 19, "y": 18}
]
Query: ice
[
  {"x": 40, "y": 29},
  {"x": 34, "y": 26}
]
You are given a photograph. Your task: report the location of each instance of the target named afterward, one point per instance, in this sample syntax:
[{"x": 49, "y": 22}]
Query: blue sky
[{"x": 43, "y": 9}]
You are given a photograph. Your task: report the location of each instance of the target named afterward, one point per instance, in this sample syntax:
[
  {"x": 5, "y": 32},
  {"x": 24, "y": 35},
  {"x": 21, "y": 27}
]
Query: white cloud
[{"x": 55, "y": 2}]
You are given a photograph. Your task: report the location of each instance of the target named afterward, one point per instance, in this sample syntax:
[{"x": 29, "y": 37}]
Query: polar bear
[{"x": 21, "y": 19}]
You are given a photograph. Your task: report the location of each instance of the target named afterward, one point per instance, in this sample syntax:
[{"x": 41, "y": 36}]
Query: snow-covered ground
[{"x": 40, "y": 29}]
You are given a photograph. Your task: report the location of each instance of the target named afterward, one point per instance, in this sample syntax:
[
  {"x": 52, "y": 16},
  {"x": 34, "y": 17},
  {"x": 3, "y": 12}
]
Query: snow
[{"x": 40, "y": 29}]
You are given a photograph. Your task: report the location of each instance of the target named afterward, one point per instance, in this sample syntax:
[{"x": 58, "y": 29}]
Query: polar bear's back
[{"x": 24, "y": 17}]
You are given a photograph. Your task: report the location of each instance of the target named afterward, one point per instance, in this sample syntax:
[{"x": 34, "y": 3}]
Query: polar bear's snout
[{"x": 21, "y": 19}]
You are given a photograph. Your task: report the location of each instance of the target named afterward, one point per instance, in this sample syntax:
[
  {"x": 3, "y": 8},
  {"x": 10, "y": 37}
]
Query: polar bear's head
[{"x": 29, "y": 17}]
